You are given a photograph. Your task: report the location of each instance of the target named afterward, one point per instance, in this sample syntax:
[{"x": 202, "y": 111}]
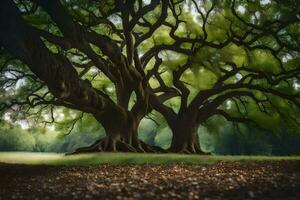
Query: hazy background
[{"x": 216, "y": 136}]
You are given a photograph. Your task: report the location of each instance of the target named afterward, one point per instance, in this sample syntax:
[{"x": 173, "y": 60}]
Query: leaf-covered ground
[{"x": 223, "y": 180}]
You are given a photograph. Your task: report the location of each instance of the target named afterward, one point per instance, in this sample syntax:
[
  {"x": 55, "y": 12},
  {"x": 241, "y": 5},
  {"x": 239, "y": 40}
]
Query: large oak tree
[{"x": 196, "y": 55}]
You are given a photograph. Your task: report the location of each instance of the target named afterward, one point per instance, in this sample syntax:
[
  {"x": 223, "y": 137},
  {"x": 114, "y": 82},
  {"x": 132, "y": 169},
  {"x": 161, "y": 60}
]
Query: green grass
[{"x": 125, "y": 158}]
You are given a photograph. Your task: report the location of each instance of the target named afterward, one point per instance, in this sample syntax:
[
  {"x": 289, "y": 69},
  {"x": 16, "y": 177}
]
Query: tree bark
[
  {"x": 121, "y": 129},
  {"x": 185, "y": 135},
  {"x": 184, "y": 126},
  {"x": 185, "y": 138}
]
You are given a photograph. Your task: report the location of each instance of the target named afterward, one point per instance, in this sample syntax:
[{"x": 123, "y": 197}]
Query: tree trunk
[
  {"x": 185, "y": 138},
  {"x": 121, "y": 129}
]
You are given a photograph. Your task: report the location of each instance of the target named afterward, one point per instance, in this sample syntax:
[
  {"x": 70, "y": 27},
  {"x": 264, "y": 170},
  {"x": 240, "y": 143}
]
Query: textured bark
[
  {"x": 185, "y": 138},
  {"x": 121, "y": 129}
]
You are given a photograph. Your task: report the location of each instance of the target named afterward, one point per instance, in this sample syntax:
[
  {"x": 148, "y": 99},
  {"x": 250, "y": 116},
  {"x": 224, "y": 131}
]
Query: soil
[{"x": 223, "y": 180}]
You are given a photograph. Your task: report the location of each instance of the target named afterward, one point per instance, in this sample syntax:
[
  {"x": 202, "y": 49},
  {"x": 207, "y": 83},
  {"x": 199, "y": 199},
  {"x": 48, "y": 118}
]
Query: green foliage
[
  {"x": 206, "y": 65},
  {"x": 264, "y": 61},
  {"x": 222, "y": 138},
  {"x": 163, "y": 138},
  {"x": 147, "y": 131},
  {"x": 14, "y": 138}
]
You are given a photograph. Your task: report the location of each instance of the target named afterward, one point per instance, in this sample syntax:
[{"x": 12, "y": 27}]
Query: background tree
[{"x": 244, "y": 66}]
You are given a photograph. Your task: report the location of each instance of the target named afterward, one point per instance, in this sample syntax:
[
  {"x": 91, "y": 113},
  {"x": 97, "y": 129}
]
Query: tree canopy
[{"x": 119, "y": 61}]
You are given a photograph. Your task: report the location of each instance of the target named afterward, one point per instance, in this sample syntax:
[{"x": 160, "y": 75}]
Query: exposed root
[
  {"x": 187, "y": 149},
  {"x": 92, "y": 148},
  {"x": 123, "y": 147},
  {"x": 152, "y": 149},
  {"x": 108, "y": 145}
]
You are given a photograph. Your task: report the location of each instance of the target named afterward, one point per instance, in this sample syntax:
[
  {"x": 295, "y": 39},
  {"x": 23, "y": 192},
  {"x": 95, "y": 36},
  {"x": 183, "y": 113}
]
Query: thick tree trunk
[
  {"x": 185, "y": 138},
  {"x": 121, "y": 129}
]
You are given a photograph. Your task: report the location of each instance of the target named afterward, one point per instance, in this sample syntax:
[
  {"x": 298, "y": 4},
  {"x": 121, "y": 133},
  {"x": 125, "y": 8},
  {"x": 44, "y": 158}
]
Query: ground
[{"x": 207, "y": 178}]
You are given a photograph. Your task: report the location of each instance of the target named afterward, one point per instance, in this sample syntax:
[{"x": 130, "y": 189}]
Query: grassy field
[{"x": 125, "y": 158}]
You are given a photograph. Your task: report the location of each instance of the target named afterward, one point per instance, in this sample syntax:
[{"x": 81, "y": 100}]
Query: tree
[
  {"x": 249, "y": 59},
  {"x": 46, "y": 53},
  {"x": 117, "y": 60}
]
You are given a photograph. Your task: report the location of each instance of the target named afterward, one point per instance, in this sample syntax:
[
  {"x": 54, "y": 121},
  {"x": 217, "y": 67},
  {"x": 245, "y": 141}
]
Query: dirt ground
[{"x": 224, "y": 180}]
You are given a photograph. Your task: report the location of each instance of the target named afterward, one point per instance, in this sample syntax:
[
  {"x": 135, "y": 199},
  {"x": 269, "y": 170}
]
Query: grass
[{"x": 125, "y": 158}]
